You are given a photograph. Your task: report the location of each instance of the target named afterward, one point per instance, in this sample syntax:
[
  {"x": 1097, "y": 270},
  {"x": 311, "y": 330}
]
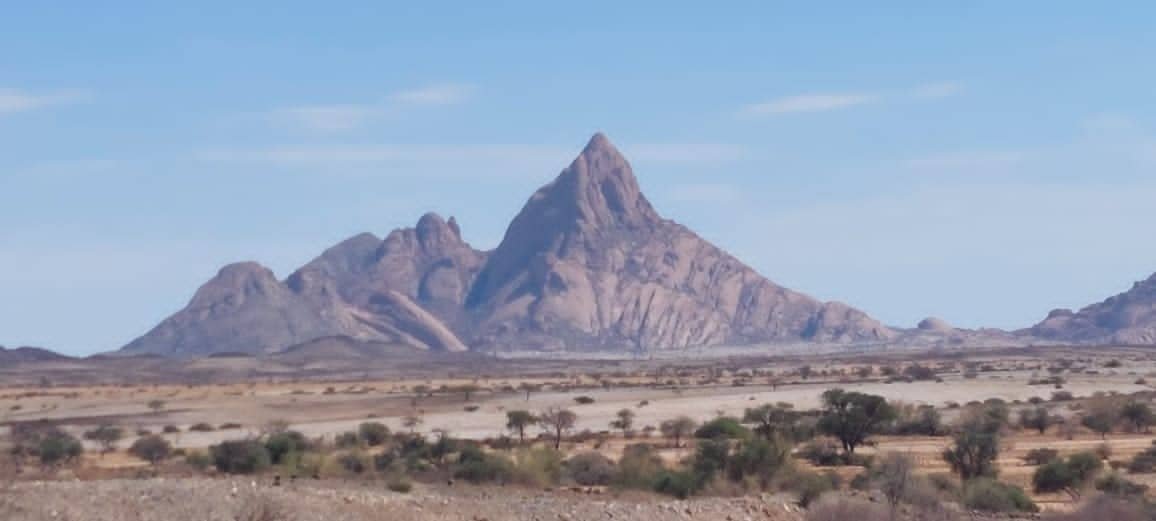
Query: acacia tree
[
  {"x": 519, "y": 421},
  {"x": 770, "y": 419},
  {"x": 624, "y": 422},
  {"x": 105, "y": 435},
  {"x": 852, "y": 417},
  {"x": 975, "y": 445},
  {"x": 1037, "y": 419},
  {"x": 557, "y": 421},
  {"x": 1138, "y": 415},
  {"x": 156, "y": 405},
  {"x": 677, "y": 429}
]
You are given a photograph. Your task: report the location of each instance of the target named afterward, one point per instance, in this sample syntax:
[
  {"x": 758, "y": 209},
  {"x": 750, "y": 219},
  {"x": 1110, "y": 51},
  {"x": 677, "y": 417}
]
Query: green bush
[
  {"x": 475, "y": 466},
  {"x": 680, "y": 484},
  {"x": 1114, "y": 484},
  {"x": 723, "y": 427},
  {"x": 1144, "y": 462},
  {"x": 639, "y": 467},
  {"x": 347, "y": 440},
  {"x": 810, "y": 485},
  {"x": 58, "y": 447},
  {"x": 353, "y": 462},
  {"x": 373, "y": 433},
  {"x": 590, "y": 469},
  {"x": 285, "y": 443},
  {"x": 989, "y": 495},
  {"x": 199, "y": 460},
  {"x": 240, "y": 456},
  {"x": 1041, "y": 456},
  {"x": 152, "y": 449},
  {"x": 399, "y": 484}
]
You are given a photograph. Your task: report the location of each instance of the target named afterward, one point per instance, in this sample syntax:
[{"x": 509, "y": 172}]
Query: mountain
[
  {"x": 587, "y": 263},
  {"x": 1127, "y": 318}
]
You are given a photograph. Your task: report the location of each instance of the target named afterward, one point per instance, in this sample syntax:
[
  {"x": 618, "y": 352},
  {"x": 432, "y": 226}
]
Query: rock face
[
  {"x": 588, "y": 263},
  {"x": 1127, "y": 318}
]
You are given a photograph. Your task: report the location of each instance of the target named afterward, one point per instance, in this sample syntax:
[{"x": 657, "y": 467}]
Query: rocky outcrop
[
  {"x": 934, "y": 324},
  {"x": 1128, "y": 318},
  {"x": 589, "y": 263},
  {"x": 245, "y": 309}
]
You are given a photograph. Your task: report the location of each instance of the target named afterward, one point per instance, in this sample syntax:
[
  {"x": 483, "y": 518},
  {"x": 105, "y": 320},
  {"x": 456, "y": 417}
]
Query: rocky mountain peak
[
  {"x": 237, "y": 281},
  {"x": 433, "y": 231}
]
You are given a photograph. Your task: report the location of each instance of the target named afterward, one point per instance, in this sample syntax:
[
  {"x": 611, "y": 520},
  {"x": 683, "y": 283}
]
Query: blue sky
[{"x": 979, "y": 161}]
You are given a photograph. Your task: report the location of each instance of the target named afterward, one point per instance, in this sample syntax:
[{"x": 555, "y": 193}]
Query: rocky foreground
[{"x": 203, "y": 499}]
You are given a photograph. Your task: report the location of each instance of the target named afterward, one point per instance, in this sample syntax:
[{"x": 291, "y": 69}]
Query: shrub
[
  {"x": 584, "y": 400},
  {"x": 639, "y": 467},
  {"x": 373, "y": 433},
  {"x": 198, "y": 459},
  {"x": 680, "y": 484},
  {"x": 201, "y": 427},
  {"x": 1062, "y": 396},
  {"x": 353, "y": 462},
  {"x": 58, "y": 447},
  {"x": 239, "y": 456},
  {"x": 347, "y": 440},
  {"x": 475, "y": 466},
  {"x": 1041, "y": 456},
  {"x": 282, "y": 444},
  {"x": 590, "y": 469},
  {"x": 152, "y": 449},
  {"x": 538, "y": 466},
  {"x": 399, "y": 484},
  {"x": 989, "y": 495},
  {"x": 835, "y": 508},
  {"x": 821, "y": 453},
  {"x": 171, "y": 429},
  {"x": 231, "y": 426},
  {"x": 1144, "y": 462},
  {"x": 722, "y": 427},
  {"x": 810, "y": 485},
  {"x": 1116, "y": 485}
]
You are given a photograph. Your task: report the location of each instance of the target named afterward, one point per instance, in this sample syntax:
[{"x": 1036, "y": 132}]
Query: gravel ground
[{"x": 243, "y": 500}]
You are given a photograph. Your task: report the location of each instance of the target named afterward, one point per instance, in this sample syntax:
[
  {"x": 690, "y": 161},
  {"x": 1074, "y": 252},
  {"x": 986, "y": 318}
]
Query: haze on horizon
[{"x": 983, "y": 162}]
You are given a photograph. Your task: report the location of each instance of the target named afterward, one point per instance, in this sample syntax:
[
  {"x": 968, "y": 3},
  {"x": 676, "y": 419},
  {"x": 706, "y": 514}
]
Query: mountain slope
[
  {"x": 1127, "y": 318},
  {"x": 589, "y": 263}
]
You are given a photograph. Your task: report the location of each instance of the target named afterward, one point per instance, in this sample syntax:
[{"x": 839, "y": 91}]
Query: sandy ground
[{"x": 316, "y": 412}]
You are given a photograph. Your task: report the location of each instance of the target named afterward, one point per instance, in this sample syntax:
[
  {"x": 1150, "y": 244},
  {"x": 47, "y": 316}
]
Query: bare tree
[
  {"x": 625, "y": 422},
  {"x": 895, "y": 474},
  {"x": 677, "y": 429},
  {"x": 557, "y": 421}
]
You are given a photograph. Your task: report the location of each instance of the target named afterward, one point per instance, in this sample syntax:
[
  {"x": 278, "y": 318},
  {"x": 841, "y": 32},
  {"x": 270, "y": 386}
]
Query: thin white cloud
[
  {"x": 341, "y": 117},
  {"x": 327, "y": 118},
  {"x": 15, "y": 100},
  {"x": 829, "y": 101},
  {"x": 937, "y": 90},
  {"x": 982, "y": 159},
  {"x": 818, "y": 102},
  {"x": 440, "y": 94}
]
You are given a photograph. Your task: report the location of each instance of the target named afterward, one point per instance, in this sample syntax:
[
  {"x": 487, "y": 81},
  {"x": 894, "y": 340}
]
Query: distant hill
[
  {"x": 1128, "y": 318},
  {"x": 30, "y": 354}
]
